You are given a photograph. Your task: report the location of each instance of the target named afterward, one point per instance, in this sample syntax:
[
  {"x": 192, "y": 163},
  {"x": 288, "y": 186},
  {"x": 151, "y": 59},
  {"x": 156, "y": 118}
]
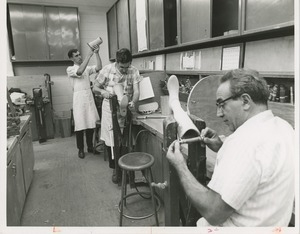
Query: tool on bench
[{"x": 190, "y": 140}]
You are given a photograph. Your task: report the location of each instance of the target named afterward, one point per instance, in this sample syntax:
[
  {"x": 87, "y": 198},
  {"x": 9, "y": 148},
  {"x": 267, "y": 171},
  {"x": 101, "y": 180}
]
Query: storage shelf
[
  {"x": 289, "y": 75},
  {"x": 40, "y": 61},
  {"x": 271, "y": 32}
]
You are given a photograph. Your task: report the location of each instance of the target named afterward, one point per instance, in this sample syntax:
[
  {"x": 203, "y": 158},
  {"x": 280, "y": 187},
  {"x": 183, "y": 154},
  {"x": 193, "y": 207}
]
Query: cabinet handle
[
  {"x": 160, "y": 185},
  {"x": 14, "y": 168}
]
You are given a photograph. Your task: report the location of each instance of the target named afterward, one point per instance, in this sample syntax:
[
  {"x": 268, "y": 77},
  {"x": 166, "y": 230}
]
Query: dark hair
[
  {"x": 71, "y": 51},
  {"x": 123, "y": 56},
  {"x": 247, "y": 81}
]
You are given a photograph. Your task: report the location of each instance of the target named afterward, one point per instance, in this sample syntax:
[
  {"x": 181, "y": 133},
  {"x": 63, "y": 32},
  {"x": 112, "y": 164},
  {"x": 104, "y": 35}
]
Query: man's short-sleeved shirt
[
  {"x": 110, "y": 75},
  {"x": 254, "y": 172}
]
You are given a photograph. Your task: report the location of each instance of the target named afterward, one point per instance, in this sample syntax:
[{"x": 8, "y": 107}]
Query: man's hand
[
  {"x": 211, "y": 139},
  {"x": 174, "y": 155},
  {"x": 131, "y": 105},
  {"x": 106, "y": 94},
  {"x": 96, "y": 50}
]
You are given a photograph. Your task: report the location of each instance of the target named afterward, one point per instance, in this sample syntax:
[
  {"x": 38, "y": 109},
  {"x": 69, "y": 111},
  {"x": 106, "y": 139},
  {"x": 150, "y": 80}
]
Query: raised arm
[
  {"x": 98, "y": 59},
  {"x": 84, "y": 64}
]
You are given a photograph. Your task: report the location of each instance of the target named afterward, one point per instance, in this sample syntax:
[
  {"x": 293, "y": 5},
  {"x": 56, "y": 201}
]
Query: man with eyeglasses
[
  {"x": 122, "y": 74},
  {"x": 253, "y": 180},
  {"x": 84, "y": 109}
]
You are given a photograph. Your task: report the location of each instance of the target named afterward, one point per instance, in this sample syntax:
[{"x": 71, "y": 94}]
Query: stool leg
[
  {"x": 125, "y": 190},
  {"x": 152, "y": 195},
  {"x": 122, "y": 195}
]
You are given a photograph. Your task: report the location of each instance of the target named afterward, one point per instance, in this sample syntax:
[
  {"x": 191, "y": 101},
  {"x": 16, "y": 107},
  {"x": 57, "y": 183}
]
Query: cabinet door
[
  {"x": 15, "y": 188},
  {"x": 62, "y": 31},
  {"x": 28, "y": 32},
  {"x": 123, "y": 24},
  {"x": 112, "y": 32},
  {"x": 156, "y": 24},
  {"x": 225, "y": 17},
  {"x": 27, "y": 158},
  {"x": 149, "y": 143},
  {"x": 133, "y": 27},
  {"x": 195, "y": 20},
  {"x": 268, "y": 13}
]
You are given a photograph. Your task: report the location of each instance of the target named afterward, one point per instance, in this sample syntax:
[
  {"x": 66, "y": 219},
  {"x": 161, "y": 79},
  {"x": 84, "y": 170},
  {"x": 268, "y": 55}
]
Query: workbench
[
  {"x": 20, "y": 162},
  {"x": 148, "y": 132}
]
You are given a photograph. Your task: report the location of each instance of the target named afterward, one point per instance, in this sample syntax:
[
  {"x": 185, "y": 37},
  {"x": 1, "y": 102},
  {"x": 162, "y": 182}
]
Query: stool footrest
[{"x": 140, "y": 217}]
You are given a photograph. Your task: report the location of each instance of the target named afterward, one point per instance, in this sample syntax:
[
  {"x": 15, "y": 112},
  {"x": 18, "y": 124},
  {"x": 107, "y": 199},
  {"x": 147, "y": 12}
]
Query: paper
[
  {"x": 151, "y": 65},
  {"x": 159, "y": 62},
  {"x": 188, "y": 60},
  {"x": 146, "y": 90},
  {"x": 231, "y": 58}
]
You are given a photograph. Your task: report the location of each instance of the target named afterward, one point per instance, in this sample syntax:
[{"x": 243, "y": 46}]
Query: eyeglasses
[{"x": 220, "y": 104}]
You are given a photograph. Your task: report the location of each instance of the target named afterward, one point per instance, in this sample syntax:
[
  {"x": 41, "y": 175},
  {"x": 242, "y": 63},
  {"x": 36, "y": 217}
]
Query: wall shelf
[{"x": 222, "y": 40}]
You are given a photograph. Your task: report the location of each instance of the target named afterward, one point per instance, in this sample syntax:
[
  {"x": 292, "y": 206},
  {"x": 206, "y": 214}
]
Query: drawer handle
[{"x": 160, "y": 185}]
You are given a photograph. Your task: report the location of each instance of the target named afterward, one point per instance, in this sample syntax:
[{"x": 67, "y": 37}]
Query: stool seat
[{"x": 136, "y": 161}]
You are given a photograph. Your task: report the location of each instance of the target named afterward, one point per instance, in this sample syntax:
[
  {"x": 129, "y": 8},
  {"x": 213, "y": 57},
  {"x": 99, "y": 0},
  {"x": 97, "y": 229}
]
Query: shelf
[
  {"x": 271, "y": 32},
  {"x": 289, "y": 75},
  {"x": 41, "y": 61}
]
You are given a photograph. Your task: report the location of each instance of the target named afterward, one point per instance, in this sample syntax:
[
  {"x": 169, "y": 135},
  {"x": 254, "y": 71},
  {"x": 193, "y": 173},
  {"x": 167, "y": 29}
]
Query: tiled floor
[{"x": 69, "y": 191}]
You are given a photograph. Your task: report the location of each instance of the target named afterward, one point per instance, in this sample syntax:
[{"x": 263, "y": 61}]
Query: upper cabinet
[
  {"x": 194, "y": 20},
  {"x": 267, "y": 14},
  {"x": 123, "y": 24},
  {"x": 133, "y": 28},
  {"x": 62, "y": 31},
  {"x": 112, "y": 31},
  {"x": 160, "y": 26},
  {"x": 162, "y": 16},
  {"x": 42, "y": 33},
  {"x": 142, "y": 25},
  {"x": 28, "y": 32},
  {"x": 156, "y": 24},
  {"x": 225, "y": 17}
]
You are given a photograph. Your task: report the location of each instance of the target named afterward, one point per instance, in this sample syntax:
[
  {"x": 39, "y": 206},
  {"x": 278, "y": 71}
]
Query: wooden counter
[
  {"x": 20, "y": 162},
  {"x": 151, "y": 140}
]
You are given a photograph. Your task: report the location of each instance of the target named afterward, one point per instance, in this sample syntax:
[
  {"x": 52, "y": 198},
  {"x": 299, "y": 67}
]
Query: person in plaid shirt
[{"x": 123, "y": 74}]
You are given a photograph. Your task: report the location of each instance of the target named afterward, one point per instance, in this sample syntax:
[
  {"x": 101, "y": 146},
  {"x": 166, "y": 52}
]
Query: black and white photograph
[{"x": 149, "y": 117}]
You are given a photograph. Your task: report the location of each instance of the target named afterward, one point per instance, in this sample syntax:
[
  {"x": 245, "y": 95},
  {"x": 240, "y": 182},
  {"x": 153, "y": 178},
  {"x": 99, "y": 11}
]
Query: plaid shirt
[{"x": 109, "y": 75}]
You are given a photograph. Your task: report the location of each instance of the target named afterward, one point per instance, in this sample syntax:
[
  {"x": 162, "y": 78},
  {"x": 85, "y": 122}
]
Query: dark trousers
[
  {"x": 111, "y": 162},
  {"x": 89, "y": 138}
]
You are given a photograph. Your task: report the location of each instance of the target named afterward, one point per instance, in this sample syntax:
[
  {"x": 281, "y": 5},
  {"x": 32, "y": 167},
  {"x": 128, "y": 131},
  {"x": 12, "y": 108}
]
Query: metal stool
[
  {"x": 137, "y": 161},
  {"x": 96, "y": 140}
]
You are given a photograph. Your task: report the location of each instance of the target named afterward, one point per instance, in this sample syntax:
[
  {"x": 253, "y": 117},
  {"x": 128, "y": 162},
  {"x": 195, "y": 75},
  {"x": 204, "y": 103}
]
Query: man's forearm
[
  {"x": 84, "y": 64},
  {"x": 97, "y": 90},
  {"x": 99, "y": 62},
  {"x": 136, "y": 96}
]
